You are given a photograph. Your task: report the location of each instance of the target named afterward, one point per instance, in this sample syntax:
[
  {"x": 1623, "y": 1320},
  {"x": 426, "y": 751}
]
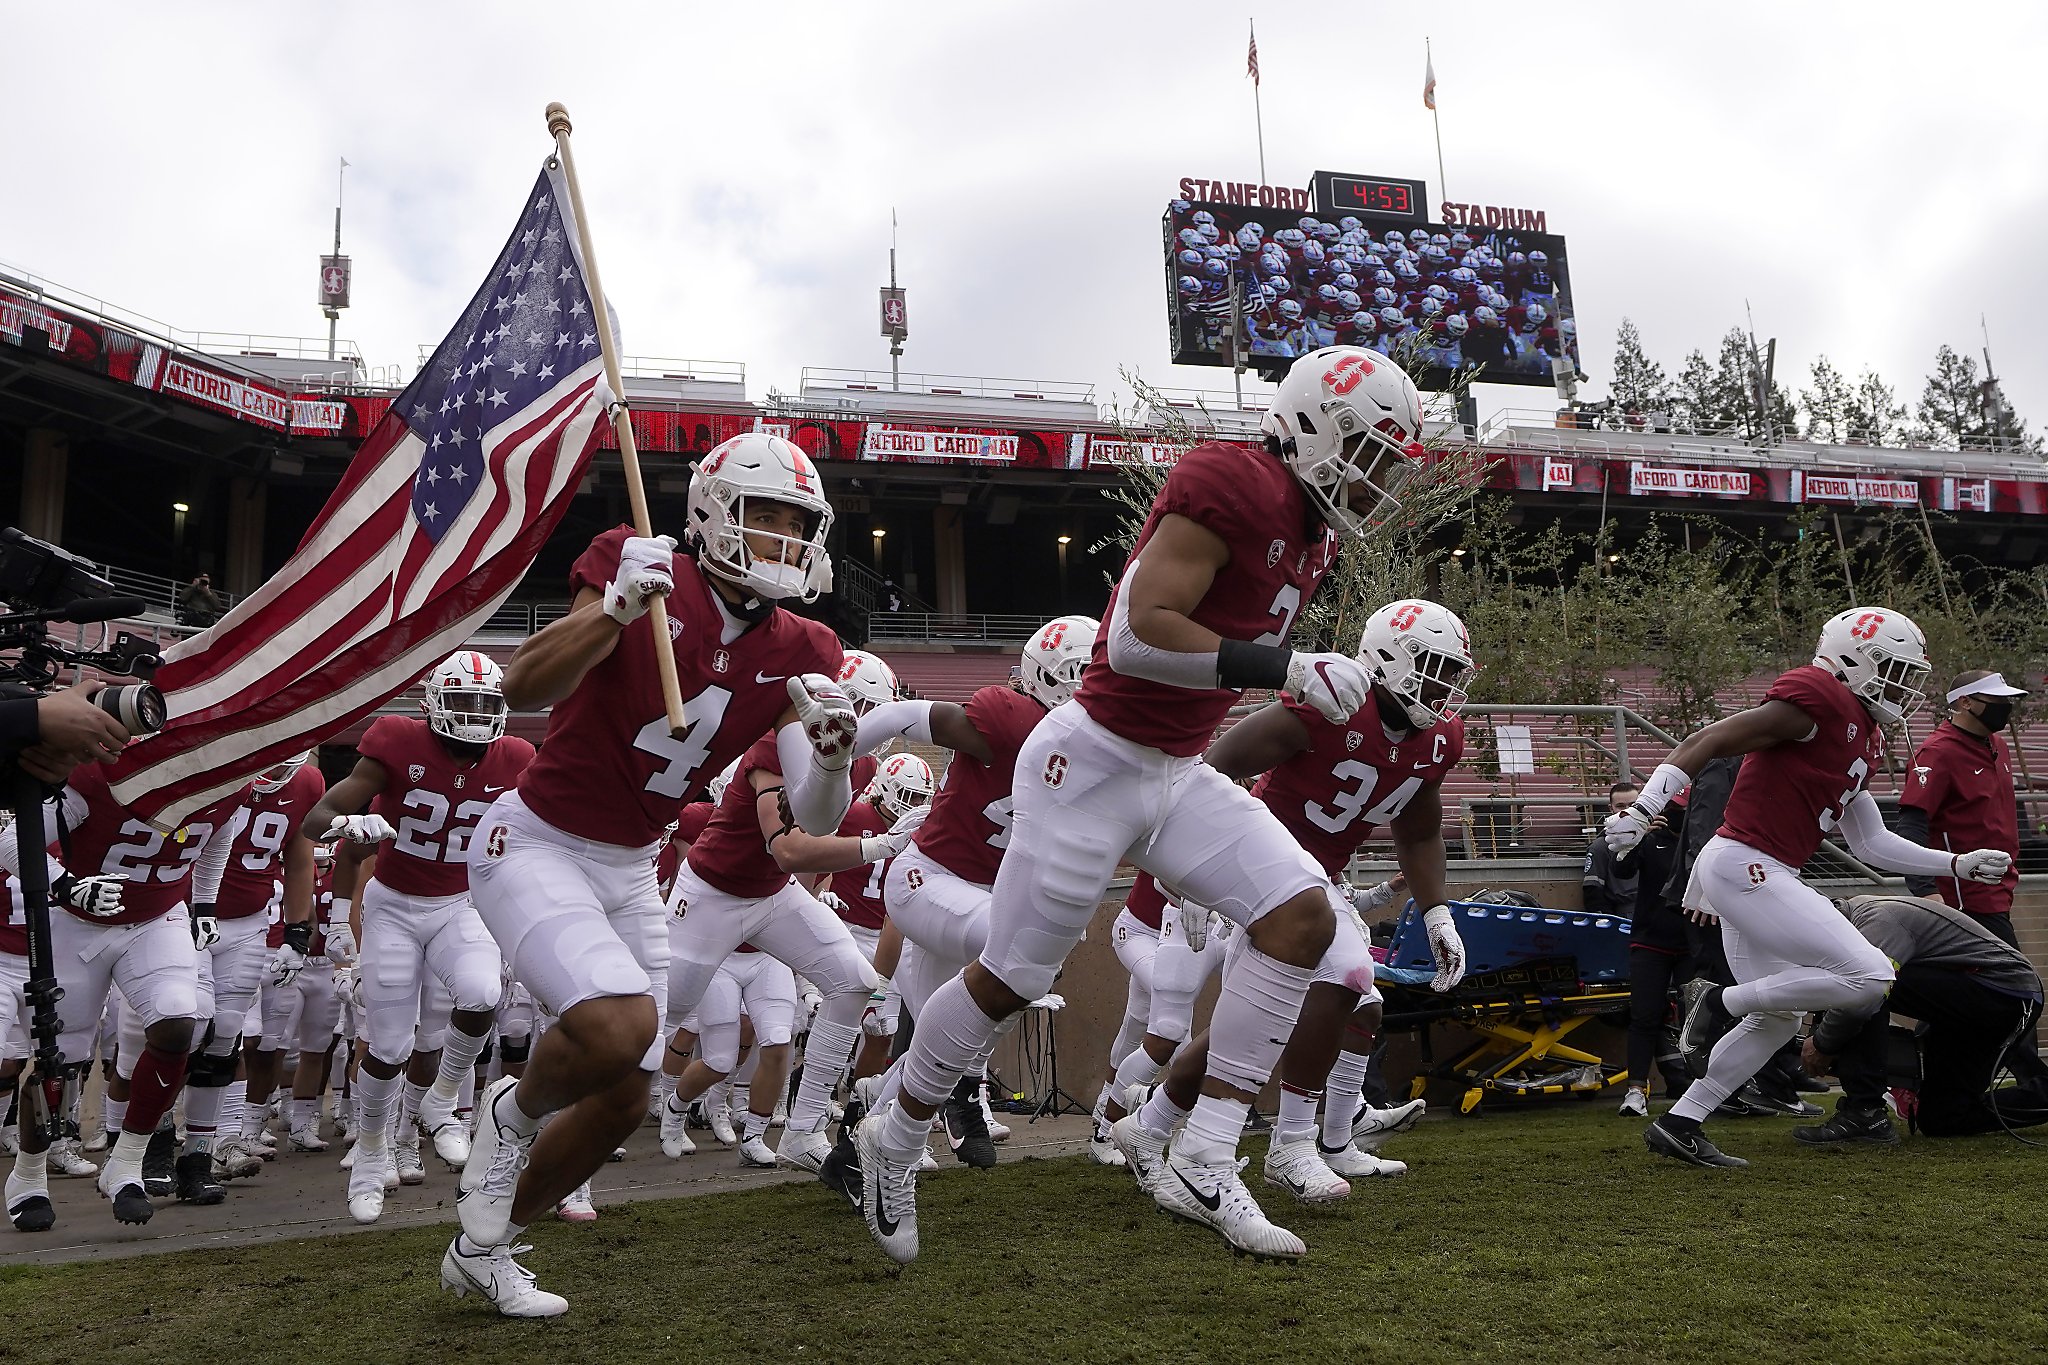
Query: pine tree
[
  {"x": 1638, "y": 383},
  {"x": 1826, "y": 403},
  {"x": 1951, "y": 410},
  {"x": 2006, "y": 424},
  {"x": 1699, "y": 398},
  {"x": 1875, "y": 416}
]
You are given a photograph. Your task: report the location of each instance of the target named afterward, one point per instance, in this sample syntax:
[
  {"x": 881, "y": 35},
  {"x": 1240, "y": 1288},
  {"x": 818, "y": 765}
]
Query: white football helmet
[
  {"x": 868, "y": 681},
  {"x": 1881, "y": 656},
  {"x": 714, "y": 790},
  {"x": 902, "y": 784},
  {"x": 1056, "y": 656},
  {"x": 465, "y": 698},
  {"x": 1346, "y": 416},
  {"x": 761, "y": 467},
  {"x": 1421, "y": 653},
  {"x": 279, "y": 773}
]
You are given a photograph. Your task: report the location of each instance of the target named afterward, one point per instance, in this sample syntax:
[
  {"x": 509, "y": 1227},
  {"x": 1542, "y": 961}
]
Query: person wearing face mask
[{"x": 1959, "y": 795}]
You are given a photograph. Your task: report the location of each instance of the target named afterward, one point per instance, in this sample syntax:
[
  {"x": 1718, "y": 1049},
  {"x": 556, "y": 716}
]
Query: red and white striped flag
[
  {"x": 437, "y": 519},
  {"x": 1251, "y": 60},
  {"x": 1428, "y": 81}
]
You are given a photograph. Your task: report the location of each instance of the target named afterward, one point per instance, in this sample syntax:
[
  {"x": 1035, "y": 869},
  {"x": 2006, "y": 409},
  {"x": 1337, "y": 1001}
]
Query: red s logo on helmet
[
  {"x": 1866, "y": 625},
  {"x": 1406, "y": 617},
  {"x": 847, "y": 669},
  {"x": 1344, "y": 376},
  {"x": 1054, "y": 633}
]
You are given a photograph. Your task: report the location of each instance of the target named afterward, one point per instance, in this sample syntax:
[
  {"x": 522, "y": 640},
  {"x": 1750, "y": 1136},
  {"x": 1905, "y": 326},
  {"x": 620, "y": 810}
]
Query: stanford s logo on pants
[
  {"x": 1756, "y": 874},
  {"x": 1055, "y": 769}
]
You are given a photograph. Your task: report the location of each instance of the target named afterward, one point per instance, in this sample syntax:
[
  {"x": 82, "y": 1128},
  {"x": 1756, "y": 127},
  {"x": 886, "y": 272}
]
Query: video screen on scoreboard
[{"x": 1496, "y": 299}]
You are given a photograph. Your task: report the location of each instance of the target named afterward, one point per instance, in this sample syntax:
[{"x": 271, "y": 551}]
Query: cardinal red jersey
[
  {"x": 1146, "y": 902},
  {"x": 1789, "y": 795},
  {"x": 860, "y": 888},
  {"x": 969, "y": 826},
  {"x": 434, "y": 798},
  {"x": 256, "y": 863},
  {"x": 107, "y": 840},
  {"x": 323, "y": 902},
  {"x": 690, "y": 824},
  {"x": 1964, "y": 783},
  {"x": 731, "y": 853},
  {"x": 1352, "y": 778},
  {"x": 13, "y": 918},
  {"x": 609, "y": 770},
  {"x": 1278, "y": 554}
]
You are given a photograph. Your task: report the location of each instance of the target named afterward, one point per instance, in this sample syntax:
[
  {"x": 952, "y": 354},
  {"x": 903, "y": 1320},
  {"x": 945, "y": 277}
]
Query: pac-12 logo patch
[
  {"x": 416, "y": 771},
  {"x": 1274, "y": 551},
  {"x": 494, "y": 842},
  {"x": 1352, "y": 739},
  {"x": 1852, "y": 732},
  {"x": 675, "y": 627},
  {"x": 1055, "y": 769}
]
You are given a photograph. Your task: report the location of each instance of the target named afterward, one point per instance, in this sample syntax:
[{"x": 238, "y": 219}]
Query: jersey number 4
[
  {"x": 702, "y": 715},
  {"x": 1349, "y": 804}
]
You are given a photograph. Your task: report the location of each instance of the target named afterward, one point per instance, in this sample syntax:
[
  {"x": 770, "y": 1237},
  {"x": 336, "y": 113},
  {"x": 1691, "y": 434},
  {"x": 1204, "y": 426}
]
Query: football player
[
  {"x": 1811, "y": 746},
  {"x": 562, "y": 871},
  {"x": 902, "y": 783},
  {"x": 127, "y": 922},
  {"x": 1237, "y": 539},
  {"x": 1330, "y": 784},
  {"x": 426, "y": 781}
]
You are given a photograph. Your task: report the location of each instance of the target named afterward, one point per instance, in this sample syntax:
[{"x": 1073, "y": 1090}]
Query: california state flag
[{"x": 1428, "y": 83}]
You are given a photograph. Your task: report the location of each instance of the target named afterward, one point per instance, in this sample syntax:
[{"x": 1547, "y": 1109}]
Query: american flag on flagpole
[
  {"x": 1251, "y": 60},
  {"x": 437, "y": 519}
]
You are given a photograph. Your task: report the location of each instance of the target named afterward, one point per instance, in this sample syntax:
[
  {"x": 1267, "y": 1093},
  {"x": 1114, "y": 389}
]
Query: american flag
[
  {"x": 1251, "y": 60},
  {"x": 436, "y": 520}
]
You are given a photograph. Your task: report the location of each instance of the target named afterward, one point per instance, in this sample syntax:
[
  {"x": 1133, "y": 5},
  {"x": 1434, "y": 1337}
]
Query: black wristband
[
  {"x": 1240, "y": 664},
  {"x": 298, "y": 937}
]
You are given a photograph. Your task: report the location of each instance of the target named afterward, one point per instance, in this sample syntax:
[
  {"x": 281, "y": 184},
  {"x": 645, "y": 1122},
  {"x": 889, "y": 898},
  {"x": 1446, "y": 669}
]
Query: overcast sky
[{"x": 1867, "y": 177}]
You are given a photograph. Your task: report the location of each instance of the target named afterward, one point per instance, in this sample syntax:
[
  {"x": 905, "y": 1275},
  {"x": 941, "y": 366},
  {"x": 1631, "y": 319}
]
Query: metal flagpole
[
  {"x": 334, "y": 315},
  {"x": 622, "y": 418},
  {"x": 1258, "y": 114},
  {"x": 1436, "y": 121}
]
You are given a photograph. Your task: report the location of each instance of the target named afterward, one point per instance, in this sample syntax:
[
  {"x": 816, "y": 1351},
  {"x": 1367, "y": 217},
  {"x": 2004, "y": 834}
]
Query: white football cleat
[
  {"x": 1214, "y": 1196},
  {"x": 997, "y": 1132},
  {"x": 450, "y": 1134},
  {"x": 721, "y": 1125},
  {"x": 576, "y": 1207},
  {"x": 66, "y": 1159},
  {"x": 405, "y": 1157},
  {"x": 348, "y": 1158},
  {"x": 1295, "y": 1167},
  {"x": 926, "y": 1161},
  {"x": 366, "y": 1183},
  {"x": 675, "y": 1131},
  {"x": 1142, "y": 1152},
  {"x": 500, "y": 1278},
  {"x": 1374, "y": 1126},
  {"x": 780, "y": 1118},
  {"x": 306, "y": 1138},
  {"x": 1102, "y": 1148},
  {"x": 232, "y": 1159},
  {"x": 97, "y": 1140},
  {"x": 1353, "y": 1164},
  {"x": 1635, "y": 1104},
  {"x": 755, "y": 1151},
  {"x": 805, "y": 1151},
  {"x": 9, "y": 1140},
  {"x": 492, "y": 1174},
  {"x": 888, "y": 1194}
]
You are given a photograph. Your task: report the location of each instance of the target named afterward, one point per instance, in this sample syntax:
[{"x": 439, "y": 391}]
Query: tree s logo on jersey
[
  {"x": 461, "y": 780},
  {"x": 416, "y": 771},
  {"x": 1352, "y": 739},
  {"x": 1055, "y": 769},
  {"x": 721, "y": 661},
  {"x": 1273, "y": 553},
  {"x": 1757, "y": 875},
  {"x": 1866, "y": 625},
  {"x": 1406, "y": 618}
]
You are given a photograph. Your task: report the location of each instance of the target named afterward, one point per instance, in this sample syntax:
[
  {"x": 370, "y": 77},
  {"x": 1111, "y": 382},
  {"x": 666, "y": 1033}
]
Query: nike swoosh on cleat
[
  {"x": 1299, "y": 1187},
  {"x": 1211, "y": 1202}
]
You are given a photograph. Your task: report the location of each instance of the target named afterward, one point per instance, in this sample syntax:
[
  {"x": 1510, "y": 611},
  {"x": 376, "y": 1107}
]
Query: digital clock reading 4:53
[{"x": 1372, "y": 196}]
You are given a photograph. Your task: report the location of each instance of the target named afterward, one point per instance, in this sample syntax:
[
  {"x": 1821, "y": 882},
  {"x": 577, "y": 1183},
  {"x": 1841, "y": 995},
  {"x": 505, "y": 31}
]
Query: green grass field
[{"x": 1546, "y": 1235}]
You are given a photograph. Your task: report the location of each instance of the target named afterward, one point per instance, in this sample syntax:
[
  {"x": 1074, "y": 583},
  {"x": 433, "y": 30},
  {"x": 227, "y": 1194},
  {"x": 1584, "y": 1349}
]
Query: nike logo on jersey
[
  {"x": 1420, "y": 766},
  {"x": 489, "y": 788},
  {"x": 769, "y": 677},
  {"x": 1211, "y": 1202}
]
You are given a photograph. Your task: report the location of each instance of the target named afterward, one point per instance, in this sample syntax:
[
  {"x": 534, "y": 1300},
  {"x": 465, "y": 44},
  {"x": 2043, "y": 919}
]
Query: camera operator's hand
[
  {"x": 71, "y": 730},
  {"x": 99, "y": 897}
]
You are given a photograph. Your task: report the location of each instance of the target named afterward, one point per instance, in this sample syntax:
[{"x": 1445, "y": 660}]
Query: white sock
[
  {"x": 116, "y": 1114},
  {"x": 458, "y": 1059},
  {"x": 1136, "y": 1069},
  {"x": 1160, "y": 1115},
  {"x": 1254, "y": 1017},
  {"x": 951, "y": 1039},
  {"x": 465, "y": 1095},
  {"x": 825, "y": 1056},
  {"x": 513, "y": 1115},
  {"x": 124, "y": 1162},
  {"x": 1343, "y": 1096},
  {"x": 235, "y": 1109},
  {"x": 903, "y": 1136},
  {"x": 305, "y": 1113},
  {"x": 1212, "y": 1131},
  {"x": 32, "y": 1169},
  {"x": 375, "y": 1098},
  {"x": 1297, "y": 1113},
  {"x": 741, "y": 1095},
  {"x": 409, "y": 1097},
  {"x": 1739, "y": 1055},
  {"x": 254, "y": 1116},
  {"x": 753, "y": 1125}
]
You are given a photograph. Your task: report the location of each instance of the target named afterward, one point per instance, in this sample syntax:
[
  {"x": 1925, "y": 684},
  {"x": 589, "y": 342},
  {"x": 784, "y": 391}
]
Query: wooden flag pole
[{"x": 622, "y": 418}]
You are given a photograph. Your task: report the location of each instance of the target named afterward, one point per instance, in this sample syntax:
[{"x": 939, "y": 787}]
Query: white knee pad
[
  {"x": 718, "y": 1047},
  {"x": 1177, "y": 977}
]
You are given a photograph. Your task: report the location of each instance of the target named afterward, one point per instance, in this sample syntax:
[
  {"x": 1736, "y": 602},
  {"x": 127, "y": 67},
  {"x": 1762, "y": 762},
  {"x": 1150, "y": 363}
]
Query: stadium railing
[
  {"x": 816, "y": 378},
  {"x": 952, "y": 628}
]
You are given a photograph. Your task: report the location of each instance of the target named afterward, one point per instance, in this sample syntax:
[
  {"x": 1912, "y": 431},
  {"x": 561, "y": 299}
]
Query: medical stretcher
[{"x": 1533, "y": 978}]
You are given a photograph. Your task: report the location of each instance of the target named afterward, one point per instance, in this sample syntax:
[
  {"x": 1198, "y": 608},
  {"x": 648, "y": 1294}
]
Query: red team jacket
[
  {"x": 969, "y": 826},
  {"x": 434, "y": 799},
  {"x": 1964, "y": 783},
  {"x": 105, "y": 839},
  {"x": 731, "y": 854},
  {"x": 256, "y": 863},
  {"x": 1352, "y": 779},
  {"x": 1279, "y": 553},
  {"x": 1788, "y": 796},
  {"x": 609, "y": 770}
]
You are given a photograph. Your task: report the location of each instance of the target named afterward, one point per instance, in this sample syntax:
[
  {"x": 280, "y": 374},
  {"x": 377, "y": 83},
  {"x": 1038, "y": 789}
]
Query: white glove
[
  {"x": 1446, "y": 949},
  {"x": 205, "y": 928},
  {"x": 911, "y": 818},
  {"x": 1048, "y": 1002},
  {"x": 1220, "y": 929},
  {"x": 1986, "y": 865},
  {"x": 827, "y": 717},
  {"x": 1624, "y": 830},
  {"x": 1335, "y": 684},
  {"x": 646, "y": 571},
  {"x": 873, "y": 1022},
  {"x": 348, "y": 985},
  {"x": 1194, "y": 927},
  {"x": 830, "y": 900},
  {"x": 341, "y": 941},
  {"x": 97, "y": 896},
  {"x": 285, "y": 964},
  {"x": 359, "y": 829},
  {"x": 1366, "y": 899},
  {"x": 877, "y": 848}
]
